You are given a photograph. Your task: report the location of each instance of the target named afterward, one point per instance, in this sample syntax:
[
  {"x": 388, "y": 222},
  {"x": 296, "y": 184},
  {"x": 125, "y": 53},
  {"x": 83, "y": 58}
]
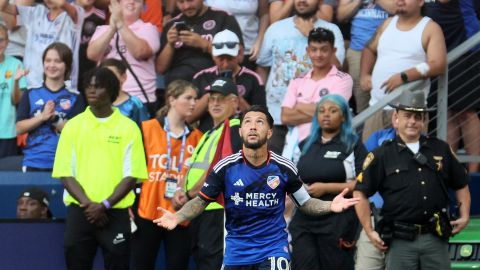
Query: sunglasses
[
  {"x": 320, "y": 32},
  {"x": 229, "y": 45}
]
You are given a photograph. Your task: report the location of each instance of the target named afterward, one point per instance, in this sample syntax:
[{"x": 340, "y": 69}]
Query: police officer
[{"x": 412, "y": 173}]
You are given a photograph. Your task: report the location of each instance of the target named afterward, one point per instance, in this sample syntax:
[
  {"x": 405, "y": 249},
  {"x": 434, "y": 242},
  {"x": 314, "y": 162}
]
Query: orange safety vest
[{"x": 155, "y": 142}]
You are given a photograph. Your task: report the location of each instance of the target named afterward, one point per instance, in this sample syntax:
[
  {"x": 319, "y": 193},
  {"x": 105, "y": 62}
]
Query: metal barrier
[{"x": 442, "y": 97}]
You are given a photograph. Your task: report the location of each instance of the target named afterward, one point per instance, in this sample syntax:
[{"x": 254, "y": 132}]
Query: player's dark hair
[
  {"x": 321, "y": 35},
  {"x": 112, "y": 62},
  {"x": 258, "y": 108},
  {"x": 103, "y": 77}
]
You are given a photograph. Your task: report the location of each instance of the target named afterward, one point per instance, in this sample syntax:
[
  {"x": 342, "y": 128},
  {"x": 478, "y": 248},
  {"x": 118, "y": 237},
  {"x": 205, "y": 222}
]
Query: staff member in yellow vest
[
  {"x": 99, "y": 159},
  {"x": 169, "y": 142},
  {"x": 207, "y": 229}
]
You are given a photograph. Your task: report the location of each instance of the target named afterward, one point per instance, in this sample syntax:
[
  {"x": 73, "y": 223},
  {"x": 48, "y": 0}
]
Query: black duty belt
[{"x": 415, "y": 228}]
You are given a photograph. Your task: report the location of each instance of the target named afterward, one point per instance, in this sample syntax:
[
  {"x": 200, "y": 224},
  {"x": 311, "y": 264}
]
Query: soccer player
[{"x": 254, "y": 182}]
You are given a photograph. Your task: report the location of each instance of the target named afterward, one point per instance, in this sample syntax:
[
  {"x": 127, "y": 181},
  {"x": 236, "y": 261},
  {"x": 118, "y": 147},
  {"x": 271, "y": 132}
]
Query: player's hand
[
  {"x": 94, "y": 212},
  {"x": 168, "y": 221},
  {"x": 192, "y": 39},
  {"x": 377, "y": 241},
  {"x": 102, "y": 221},
  {"x": 179, "y": 199},
  {"x": 393, "y": 82},
  {"x": 340, "y": 203},
  {"x": 20, "y": 73},
  {"x": 116, "y": 15},
  {"x": 172, "y": 35},
  {"x": 459, "y": 224},
  {"x": 316, "y": 190},
  {"x": 255, "y": 50},
  {"x": 366, "y": 83},
  {"x": 48, "y": 112}
]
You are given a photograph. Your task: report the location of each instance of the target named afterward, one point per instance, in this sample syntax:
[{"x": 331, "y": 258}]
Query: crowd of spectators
[{"x": 286, "y": 54}]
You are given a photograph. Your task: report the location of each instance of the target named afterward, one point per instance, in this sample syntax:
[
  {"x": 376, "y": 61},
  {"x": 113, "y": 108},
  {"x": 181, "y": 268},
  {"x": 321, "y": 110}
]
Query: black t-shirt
[
  {"x": 411, "y": 188},
  {"x": 329, "y": 162},
  {"x": 96, "y": 18},
  {"x": 187, "y": 60},
  {"x": 450, "y": 18},
  {"x": 249, "y": 85}
]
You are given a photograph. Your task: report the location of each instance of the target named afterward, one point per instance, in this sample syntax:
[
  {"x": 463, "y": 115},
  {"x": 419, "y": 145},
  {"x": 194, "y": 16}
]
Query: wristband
[
  {"x": 404, "y": 77},
  {"x": 106, "y": 204},
  {"x": 423, "y": 69}
]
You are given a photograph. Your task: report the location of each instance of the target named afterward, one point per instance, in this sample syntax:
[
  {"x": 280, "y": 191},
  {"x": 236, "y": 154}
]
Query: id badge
[{"x": 170, "y": 187}]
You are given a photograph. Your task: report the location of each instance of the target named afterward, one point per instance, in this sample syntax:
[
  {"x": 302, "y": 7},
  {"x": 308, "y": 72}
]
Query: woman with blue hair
[{"x": 331, "y": 158}]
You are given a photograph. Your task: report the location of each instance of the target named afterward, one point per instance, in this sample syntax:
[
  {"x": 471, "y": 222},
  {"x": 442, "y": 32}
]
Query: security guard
[{"x": 412, "y": 173}]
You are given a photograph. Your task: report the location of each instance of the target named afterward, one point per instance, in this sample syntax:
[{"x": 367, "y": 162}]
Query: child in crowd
[
  {"x": 11, "y": 82},
  {"x": 43, "y": 111},
  {"x": 128, "y": 105},
  {"x": 55, "y": 21}
]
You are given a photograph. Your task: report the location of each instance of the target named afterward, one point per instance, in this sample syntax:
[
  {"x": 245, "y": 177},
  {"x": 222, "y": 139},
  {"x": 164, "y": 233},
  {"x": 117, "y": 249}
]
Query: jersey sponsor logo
[
  {"x": 236, "y": 199},
  {"x": 256, "y": 199},
  {"x": 332, "y": 154},
  {"x": 239, "y": 183},
  {"x": 118, "y": 239},
  {"x": 209, "y": 25},
  {"x": 273, "y": 181}
]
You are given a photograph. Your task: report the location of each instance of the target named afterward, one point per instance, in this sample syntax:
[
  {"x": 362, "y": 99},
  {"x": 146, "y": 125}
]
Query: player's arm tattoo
[
  {"x": 192, "y": 209},
  {"x": 316, "y": 207}
]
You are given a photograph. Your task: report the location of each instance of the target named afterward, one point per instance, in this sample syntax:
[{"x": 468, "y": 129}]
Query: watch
[{"x": 404, "y": 77}]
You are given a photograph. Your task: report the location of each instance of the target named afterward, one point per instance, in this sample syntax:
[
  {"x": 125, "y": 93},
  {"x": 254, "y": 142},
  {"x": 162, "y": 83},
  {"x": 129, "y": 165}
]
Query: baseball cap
[
  {"x": 224, "y": 86},
  {"x": 225, "y": 42},
  {"x": 38, "y": 195}
]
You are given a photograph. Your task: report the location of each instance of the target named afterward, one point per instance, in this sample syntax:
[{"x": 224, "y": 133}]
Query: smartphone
[
  {"x": 226, "y": 74},
  {"x": 181, "y": 26}
]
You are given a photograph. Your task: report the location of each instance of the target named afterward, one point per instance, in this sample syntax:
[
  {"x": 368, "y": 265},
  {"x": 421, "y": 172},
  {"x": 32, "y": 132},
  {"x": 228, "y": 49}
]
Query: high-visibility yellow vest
[{"x": 203, "y": 156}]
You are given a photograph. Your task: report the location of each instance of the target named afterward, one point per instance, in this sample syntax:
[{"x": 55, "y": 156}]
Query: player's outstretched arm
[
  {"x": 318, "y": 207},
  {"x": 189, "y": 211}
]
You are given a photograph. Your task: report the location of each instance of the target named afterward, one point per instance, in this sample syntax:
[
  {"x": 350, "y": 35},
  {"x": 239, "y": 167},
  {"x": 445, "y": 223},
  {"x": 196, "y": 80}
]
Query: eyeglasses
[{"x": 229, "y": 45}]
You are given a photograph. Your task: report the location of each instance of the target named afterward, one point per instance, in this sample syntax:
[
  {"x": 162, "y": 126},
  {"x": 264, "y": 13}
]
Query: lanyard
[{"x": 169, "y": 147}]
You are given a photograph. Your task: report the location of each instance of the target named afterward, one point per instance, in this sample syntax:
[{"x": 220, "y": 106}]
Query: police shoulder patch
[{"x": 368, "y": 160}]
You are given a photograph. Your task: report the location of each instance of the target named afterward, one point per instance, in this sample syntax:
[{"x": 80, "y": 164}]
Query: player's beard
[{"x": 254, "y": 145}]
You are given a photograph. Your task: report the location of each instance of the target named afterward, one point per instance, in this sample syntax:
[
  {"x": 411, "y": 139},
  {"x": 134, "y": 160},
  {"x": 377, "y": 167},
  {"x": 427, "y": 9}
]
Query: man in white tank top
[{"x": 406, "y": 48}]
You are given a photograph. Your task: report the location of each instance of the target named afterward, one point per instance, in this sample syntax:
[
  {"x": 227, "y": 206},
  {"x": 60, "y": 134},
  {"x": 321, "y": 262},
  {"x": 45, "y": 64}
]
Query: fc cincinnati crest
[
  {"x": 65, "y": 104},
  {"x": 273, "y": 181},
  {"x": 209, "y": 25}
]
